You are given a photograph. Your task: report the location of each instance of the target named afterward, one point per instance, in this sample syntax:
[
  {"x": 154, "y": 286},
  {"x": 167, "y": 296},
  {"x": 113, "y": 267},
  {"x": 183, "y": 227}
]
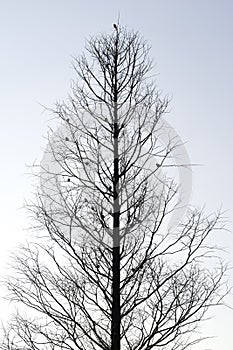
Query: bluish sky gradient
[{"x": 192, "y": 46}]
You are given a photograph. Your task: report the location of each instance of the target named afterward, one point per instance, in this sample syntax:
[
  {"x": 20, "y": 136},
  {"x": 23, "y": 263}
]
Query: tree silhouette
[{"x": 105, "y": 271}]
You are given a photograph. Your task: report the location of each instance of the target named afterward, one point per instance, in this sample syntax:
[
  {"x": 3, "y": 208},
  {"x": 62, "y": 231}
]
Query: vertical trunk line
[
  {"x": 116, "y": 312},
  {"x": 116, "y": 318}
]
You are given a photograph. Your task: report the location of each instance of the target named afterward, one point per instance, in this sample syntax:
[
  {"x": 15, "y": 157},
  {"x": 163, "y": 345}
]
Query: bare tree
[{"x": 105, "y": 270}]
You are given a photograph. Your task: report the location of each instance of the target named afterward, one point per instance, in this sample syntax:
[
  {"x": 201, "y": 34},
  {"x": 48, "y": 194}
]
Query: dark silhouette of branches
[{"x": 104, "y": 271}]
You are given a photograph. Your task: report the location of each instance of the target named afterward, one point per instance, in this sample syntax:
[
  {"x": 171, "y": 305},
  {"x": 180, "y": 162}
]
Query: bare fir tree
[{"x": 105, "y": 270}]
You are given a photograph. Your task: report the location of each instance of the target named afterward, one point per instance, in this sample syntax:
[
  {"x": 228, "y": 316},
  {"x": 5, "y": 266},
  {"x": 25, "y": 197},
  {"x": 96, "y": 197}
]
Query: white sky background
[{"x": 192, "y": 45}]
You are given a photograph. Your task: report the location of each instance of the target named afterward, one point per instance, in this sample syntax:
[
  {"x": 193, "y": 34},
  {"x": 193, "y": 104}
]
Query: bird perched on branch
[{"x": 115, "y": 26}]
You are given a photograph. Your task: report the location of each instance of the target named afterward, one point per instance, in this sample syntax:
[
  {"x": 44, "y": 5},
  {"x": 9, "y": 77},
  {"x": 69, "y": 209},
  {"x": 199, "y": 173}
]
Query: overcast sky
[{"x": 192, "y": 46}]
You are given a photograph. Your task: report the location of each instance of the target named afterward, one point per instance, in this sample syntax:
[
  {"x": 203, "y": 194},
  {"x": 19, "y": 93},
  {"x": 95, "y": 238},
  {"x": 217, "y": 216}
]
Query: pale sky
[{"x": 192, "y": 46}]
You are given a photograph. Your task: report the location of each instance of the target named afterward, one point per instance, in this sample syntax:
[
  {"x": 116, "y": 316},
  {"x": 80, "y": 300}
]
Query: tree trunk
[{"x": 116, "y": 317}]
